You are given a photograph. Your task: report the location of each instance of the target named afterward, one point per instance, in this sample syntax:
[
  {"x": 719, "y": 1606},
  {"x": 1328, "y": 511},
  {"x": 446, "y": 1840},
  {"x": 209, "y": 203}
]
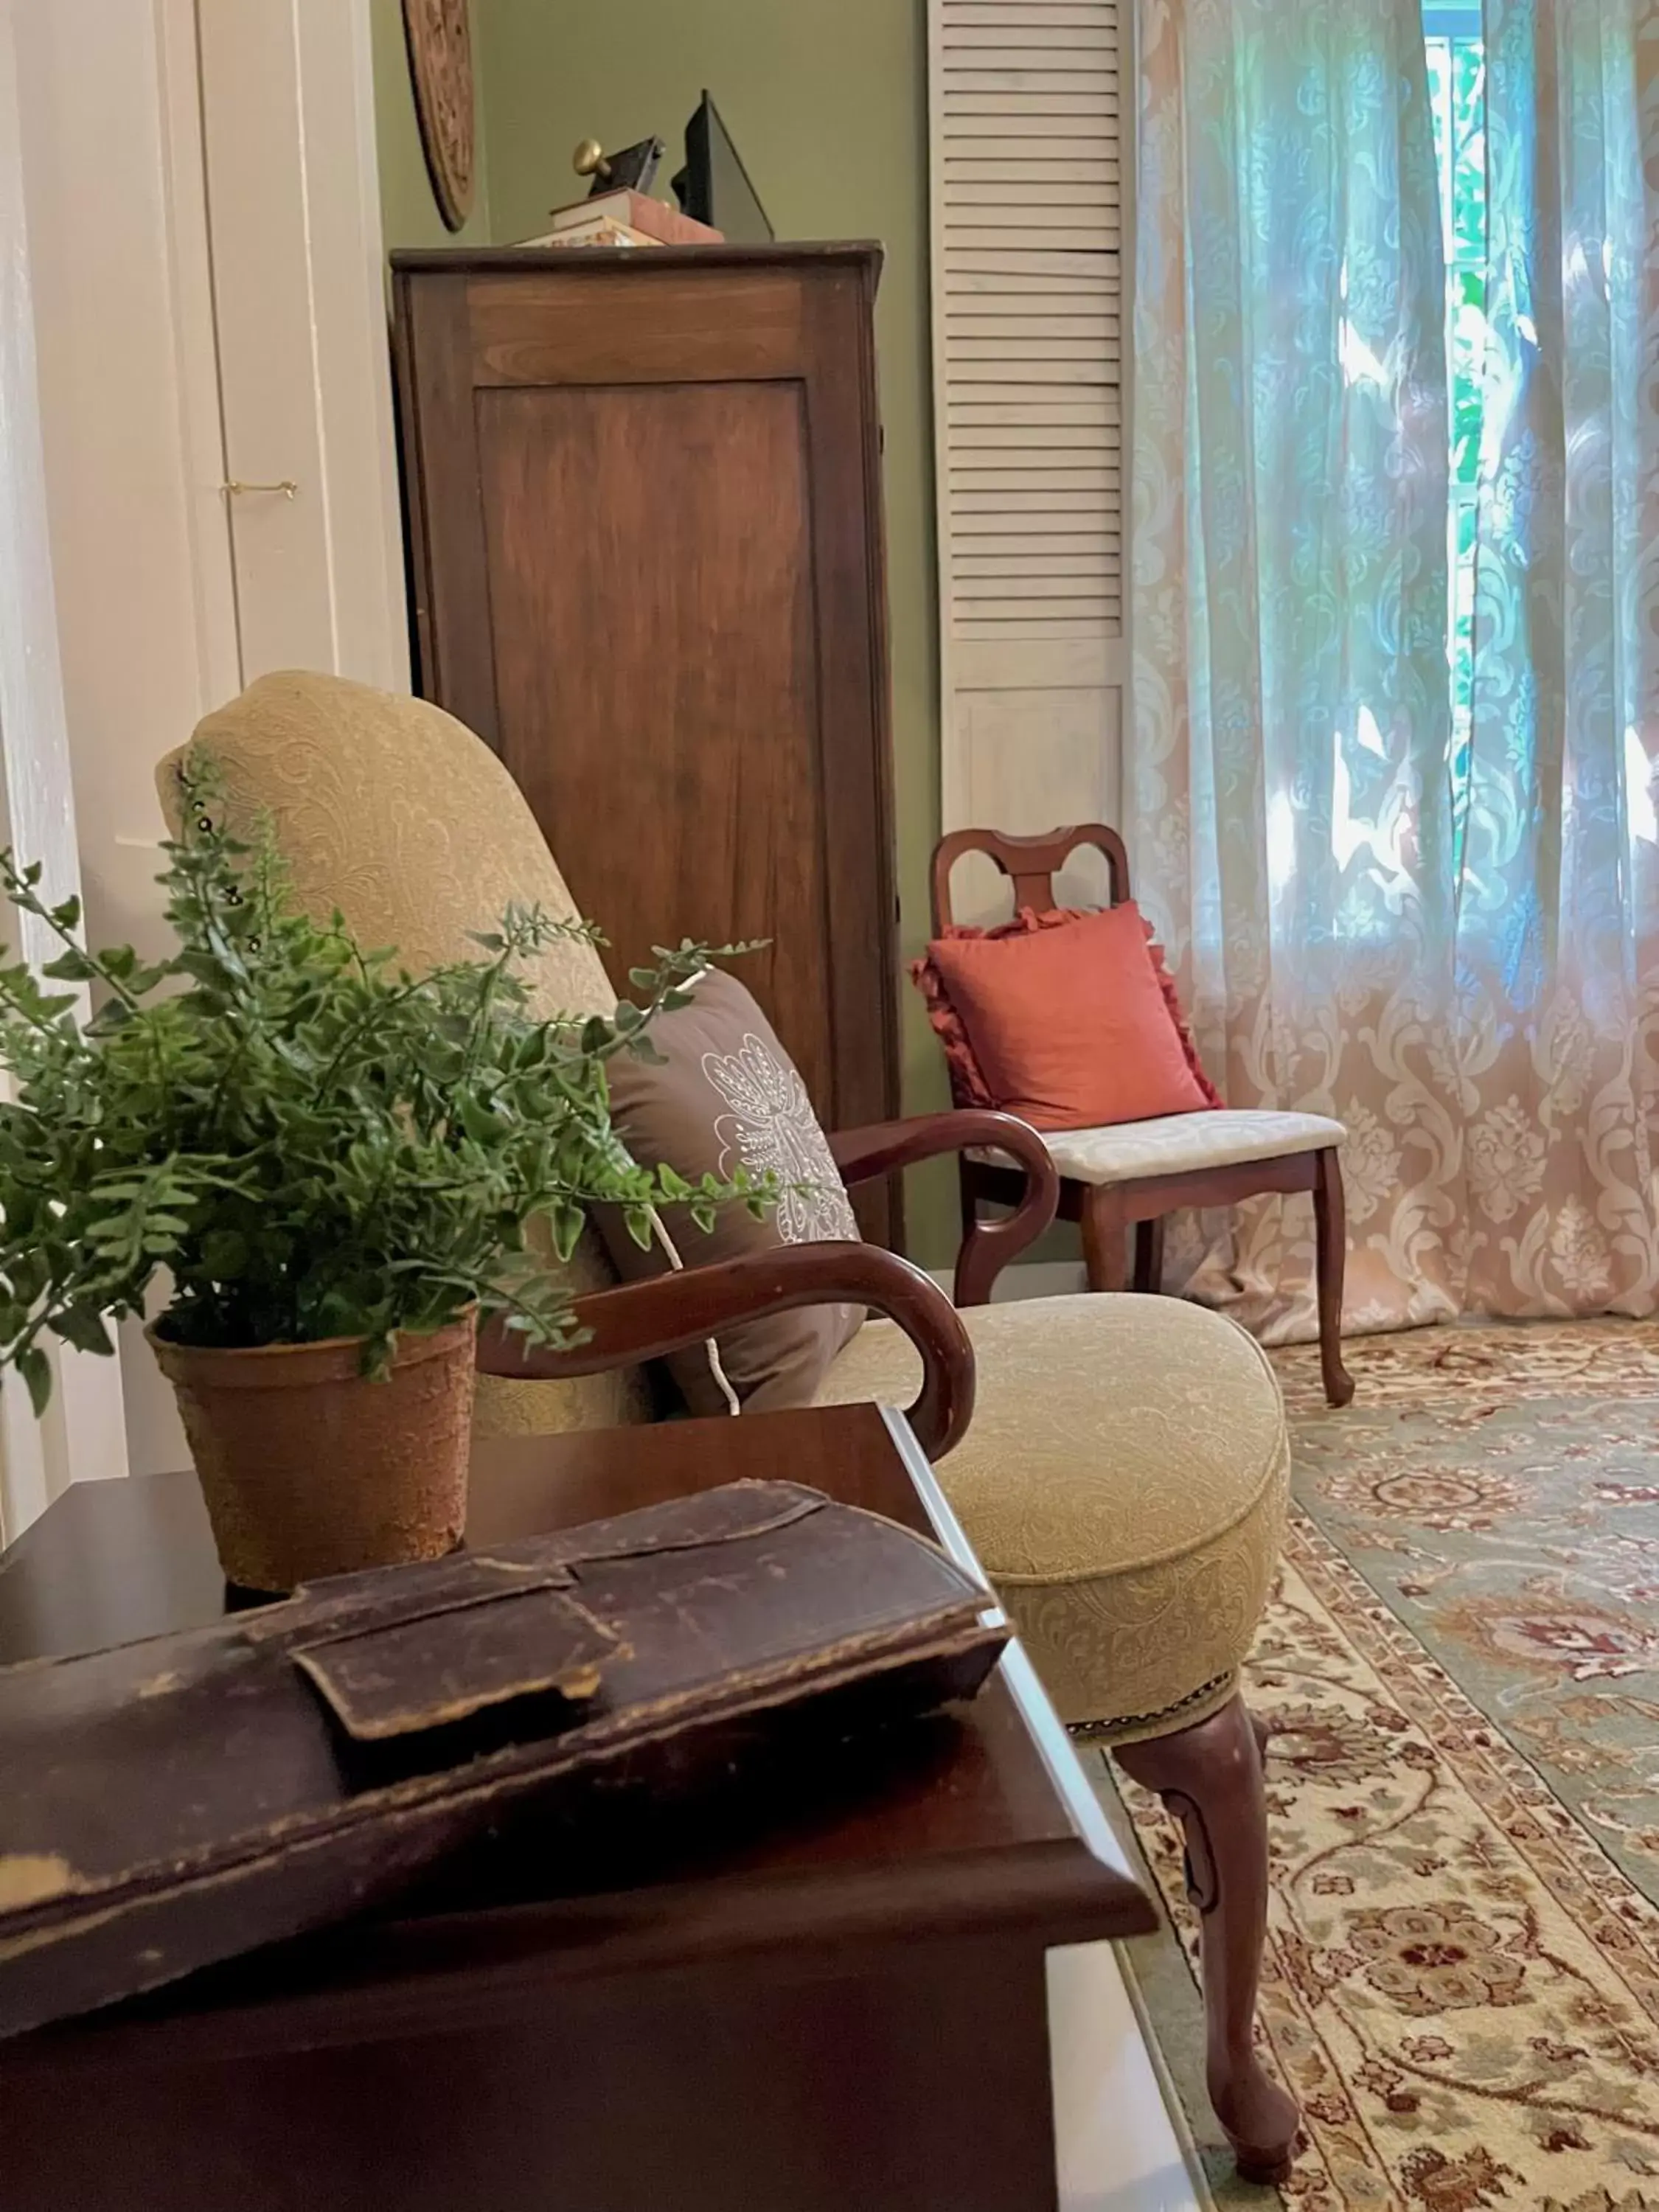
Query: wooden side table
[{"x": 830, "y": 2001}]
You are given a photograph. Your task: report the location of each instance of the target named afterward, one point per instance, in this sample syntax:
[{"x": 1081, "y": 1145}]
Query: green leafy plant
[{"x": 312, "y": 1141}]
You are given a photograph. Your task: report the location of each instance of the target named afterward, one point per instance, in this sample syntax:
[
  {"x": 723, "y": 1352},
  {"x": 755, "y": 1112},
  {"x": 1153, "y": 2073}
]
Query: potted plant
[{"x": 337, "y": 1165}]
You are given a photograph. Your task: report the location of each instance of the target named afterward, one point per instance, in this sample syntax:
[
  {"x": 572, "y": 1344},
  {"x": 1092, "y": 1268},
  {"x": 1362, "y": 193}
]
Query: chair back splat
[{"x": 1032, "y": 863}]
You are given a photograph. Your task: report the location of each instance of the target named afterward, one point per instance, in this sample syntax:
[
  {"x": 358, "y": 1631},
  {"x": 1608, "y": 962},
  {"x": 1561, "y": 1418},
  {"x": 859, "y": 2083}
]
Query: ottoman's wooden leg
[
  {"x": 1210, "y": 1778},
  {"x": 1330, "y": 1255}
]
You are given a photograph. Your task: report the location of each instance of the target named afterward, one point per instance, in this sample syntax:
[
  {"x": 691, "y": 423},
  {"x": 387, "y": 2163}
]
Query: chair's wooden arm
[
  {"x": 649, "y": 1320},
  {"x": 988, "y": 1246}
]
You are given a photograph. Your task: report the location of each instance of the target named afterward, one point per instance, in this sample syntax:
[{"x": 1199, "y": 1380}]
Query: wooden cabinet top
[{"x": 466, "y": 261}]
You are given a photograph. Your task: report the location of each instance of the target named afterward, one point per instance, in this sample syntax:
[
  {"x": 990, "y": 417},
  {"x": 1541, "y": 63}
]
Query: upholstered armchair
[{"x": 1120, "y": 1464}]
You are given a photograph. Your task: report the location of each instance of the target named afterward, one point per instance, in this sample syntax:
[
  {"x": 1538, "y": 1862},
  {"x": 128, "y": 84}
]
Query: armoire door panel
[
  {"x": 644, "y": 506},
  {"x": 675, "y": 771}
]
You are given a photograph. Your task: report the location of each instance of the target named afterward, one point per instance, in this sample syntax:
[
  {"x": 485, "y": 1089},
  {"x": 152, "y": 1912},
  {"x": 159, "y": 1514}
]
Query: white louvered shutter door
[{"x": 1028, "y": 102}]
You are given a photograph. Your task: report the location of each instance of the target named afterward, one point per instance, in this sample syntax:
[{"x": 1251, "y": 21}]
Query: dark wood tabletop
[{"x": 974, "y": 1829}]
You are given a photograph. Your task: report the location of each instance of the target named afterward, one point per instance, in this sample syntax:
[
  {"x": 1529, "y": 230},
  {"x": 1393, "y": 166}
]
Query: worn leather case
[{"x": 177, "y": 1801}]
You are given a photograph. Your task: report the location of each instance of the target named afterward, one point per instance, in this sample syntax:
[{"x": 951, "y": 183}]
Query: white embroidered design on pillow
[{"x": 772, "y": 1126}]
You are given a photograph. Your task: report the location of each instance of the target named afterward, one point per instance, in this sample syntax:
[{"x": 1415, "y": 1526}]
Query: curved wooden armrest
[
  {"x": 649, "y": 1320},
  {"x": 989, "y": 1245}
]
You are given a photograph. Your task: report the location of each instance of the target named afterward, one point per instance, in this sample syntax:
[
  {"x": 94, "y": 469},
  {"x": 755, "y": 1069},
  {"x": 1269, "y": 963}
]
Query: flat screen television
[{"x": 714, "y": 187}]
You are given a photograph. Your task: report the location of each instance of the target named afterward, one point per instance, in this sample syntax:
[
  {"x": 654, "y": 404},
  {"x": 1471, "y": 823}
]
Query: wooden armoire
[{"x": 643, "y": 499}]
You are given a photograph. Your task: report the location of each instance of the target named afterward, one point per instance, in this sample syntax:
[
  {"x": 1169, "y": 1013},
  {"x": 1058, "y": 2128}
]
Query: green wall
[
  {"x": 827, "y": 102},
  {"x": 409, "y": 213}
]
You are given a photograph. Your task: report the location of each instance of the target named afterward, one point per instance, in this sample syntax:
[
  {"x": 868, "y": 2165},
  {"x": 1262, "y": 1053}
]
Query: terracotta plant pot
[{"x": 309, "y": 1468}]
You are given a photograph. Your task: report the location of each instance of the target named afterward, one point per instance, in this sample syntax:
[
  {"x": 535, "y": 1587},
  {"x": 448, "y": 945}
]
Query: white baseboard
[{"x": 1118, "y": 2148}]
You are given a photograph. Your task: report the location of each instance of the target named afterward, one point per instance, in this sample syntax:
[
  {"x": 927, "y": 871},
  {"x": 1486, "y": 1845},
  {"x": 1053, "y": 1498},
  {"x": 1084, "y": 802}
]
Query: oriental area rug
[{"x": 1462, "y": 1666}]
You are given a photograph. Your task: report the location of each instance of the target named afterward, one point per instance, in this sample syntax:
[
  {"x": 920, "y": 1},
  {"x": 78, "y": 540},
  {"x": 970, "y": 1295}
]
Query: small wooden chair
[{"x": 1136, "y": 1172}]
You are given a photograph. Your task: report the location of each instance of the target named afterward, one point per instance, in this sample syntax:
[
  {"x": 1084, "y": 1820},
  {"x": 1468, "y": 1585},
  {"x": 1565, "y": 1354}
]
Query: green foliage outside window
[{"x": 1457, "y": 94}]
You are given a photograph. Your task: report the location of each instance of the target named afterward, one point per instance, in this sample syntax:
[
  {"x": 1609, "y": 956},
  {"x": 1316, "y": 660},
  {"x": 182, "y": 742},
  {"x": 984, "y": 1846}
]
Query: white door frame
[
  {"x": 85, "y": 1431},
  {"x": 203, "y": 184}
]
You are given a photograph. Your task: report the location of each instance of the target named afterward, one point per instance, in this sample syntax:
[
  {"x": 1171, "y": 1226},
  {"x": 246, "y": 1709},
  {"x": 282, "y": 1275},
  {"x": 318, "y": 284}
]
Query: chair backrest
[
  {"x": 1031, "y": 862},
  {"x": 395, "y": 813}
]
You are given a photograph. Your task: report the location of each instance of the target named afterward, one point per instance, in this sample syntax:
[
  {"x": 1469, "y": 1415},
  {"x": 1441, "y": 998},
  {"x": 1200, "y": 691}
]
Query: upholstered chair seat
[
  {"x": 1182, "y": 1144},
  {"x": 1134, "y": 1550}
]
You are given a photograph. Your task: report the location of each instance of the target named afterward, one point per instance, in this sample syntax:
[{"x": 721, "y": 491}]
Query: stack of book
[{"x": 624, "y": 218}]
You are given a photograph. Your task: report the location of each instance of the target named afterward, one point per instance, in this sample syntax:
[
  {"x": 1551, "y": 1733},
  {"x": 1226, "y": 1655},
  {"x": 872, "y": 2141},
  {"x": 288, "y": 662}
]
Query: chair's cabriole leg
[
  {"x": 1105, "y": 1240},
  {"x": 1330, "y": 1255},
  {"x": 965, "y": 1195},
  {"x": 1149, "y": 1255}
]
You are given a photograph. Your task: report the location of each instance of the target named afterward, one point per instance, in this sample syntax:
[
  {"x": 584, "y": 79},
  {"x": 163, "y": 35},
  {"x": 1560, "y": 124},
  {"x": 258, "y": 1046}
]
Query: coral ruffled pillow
[{"x": 1068, "y": 1019}]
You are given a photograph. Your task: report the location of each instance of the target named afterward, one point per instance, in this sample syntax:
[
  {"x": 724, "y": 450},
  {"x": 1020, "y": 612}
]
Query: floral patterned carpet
[{"x": 1462, "y": 1667}]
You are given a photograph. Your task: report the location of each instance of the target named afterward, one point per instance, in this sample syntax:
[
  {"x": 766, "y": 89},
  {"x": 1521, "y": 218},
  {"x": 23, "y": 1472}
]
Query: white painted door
[
  {"x": 294, "y": 225},
  {"x": 1027, "y": 108}
]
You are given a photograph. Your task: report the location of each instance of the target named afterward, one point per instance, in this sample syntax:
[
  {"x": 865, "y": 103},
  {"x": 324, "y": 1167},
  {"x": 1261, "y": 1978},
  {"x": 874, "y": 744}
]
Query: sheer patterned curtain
[
  {"x": 1459, "y": 956},
  {"x": 1557, "y": 934},
  {"x": 1286, "y": 792}
]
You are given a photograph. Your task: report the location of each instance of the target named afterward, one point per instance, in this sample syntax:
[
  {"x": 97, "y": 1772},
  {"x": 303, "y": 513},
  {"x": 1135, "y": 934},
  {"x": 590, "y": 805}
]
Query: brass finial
[{"x": 588, "y": 160}]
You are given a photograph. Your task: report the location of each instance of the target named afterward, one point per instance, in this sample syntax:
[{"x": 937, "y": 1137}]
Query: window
[{"x": 1457, "y": 92}]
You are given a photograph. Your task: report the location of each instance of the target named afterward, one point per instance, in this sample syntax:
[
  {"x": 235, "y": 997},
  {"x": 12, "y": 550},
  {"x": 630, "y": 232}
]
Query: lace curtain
[
  {"x": 1557, "y": 934},
  {"x": 1286, "y": 790},
  {"x": 1459, "y": 967}
]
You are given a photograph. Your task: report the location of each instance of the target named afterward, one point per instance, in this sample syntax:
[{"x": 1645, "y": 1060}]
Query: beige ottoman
[{"x": 1124, "y": 1483}]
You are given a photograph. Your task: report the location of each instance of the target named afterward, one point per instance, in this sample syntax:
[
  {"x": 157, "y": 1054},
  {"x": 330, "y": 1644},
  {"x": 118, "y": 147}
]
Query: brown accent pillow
[{"x": 728, "y": 1096}]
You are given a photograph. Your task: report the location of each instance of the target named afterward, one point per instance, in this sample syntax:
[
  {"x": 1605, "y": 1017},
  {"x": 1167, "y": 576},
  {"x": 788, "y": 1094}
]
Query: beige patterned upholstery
[
  {"x": 1124, "y": 1482},
  {"x": 1177, "y": 1144},
  {"x": 390, "y": 810}
]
